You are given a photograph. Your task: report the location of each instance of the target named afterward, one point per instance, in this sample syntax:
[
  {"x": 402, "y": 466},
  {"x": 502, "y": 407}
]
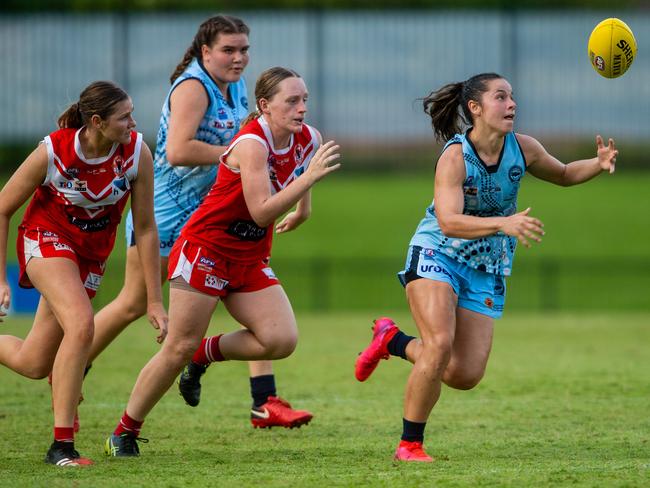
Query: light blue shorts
[
  {"x": 167, "y": 234},
  {"x": 477, "y": 291}
]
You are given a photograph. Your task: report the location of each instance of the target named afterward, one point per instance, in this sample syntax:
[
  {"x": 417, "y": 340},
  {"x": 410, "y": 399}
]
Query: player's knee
[
  {"x": 180, "y": 351},
  {"x": 134, "y": 307},
  {"x": 81, "y": 331},
  {"x": 463, "y": 380},
  {"x": 282, "y": 347},
  {"x": 36, "y": 371}
]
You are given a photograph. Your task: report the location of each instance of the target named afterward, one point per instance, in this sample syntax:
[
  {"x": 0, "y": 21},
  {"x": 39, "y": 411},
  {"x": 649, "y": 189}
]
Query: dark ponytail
[
  {"x": 442, "y": 105},
  {"x": 98, "y": 98},
  {"x": 207, "y": 35}
]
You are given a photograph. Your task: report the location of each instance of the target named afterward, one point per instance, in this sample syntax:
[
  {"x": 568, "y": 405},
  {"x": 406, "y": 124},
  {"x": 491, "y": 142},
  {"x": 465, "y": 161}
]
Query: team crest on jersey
[
  {"x": 79, "y": 185},
  {"x": 299, "y": 153},
  {"x": 515, "y": 173},
  {"x": 118, "y": 166},
  {"x": 72, "y": 172}
]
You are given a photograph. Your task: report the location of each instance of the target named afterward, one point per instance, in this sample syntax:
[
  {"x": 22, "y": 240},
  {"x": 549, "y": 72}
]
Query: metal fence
[{"x": 365, "y": 69}]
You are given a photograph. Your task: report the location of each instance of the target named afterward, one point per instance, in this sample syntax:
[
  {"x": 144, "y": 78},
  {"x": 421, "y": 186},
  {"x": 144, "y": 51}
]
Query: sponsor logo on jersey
[
  {"x": 93, "y": 281},
  {"x": 72, "y": 172},
  {"x": 246, "y": 230},
  {"x": 79, "y": 185},
  {"x": 120, "y": 184},
  {"x": 212, "y": 281},
  {"x": 428, "y": 252},
  {"x": 217, "y": 124},
  {"x": 470, "y": 190},
  {"x": 230, "y": 124}
]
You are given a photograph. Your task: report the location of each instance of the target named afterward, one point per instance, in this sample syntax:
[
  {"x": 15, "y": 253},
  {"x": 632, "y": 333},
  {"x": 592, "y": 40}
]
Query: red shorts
[
  {"x": 213, "y": 275},
  {"x": 39, "y": 243}
]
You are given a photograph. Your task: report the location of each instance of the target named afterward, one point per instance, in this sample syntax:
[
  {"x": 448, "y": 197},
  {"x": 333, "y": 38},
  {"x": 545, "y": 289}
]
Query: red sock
[
  {"x": 64, "y": 434},
  {"x": 129, "y": 426},
  {"x": 208, "y": 352}
]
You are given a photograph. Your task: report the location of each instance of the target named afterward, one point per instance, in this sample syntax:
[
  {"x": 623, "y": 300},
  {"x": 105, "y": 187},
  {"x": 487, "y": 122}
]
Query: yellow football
[{"x": 612, "y": 48}]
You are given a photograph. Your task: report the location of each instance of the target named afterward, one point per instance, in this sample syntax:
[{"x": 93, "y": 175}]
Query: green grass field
[{"x": 564, "y": 402}]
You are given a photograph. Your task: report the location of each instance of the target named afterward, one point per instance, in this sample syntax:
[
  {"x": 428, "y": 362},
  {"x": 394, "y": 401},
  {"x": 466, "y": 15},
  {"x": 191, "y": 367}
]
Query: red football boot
[
  {"x": 277, "y": 412},
  {"x": 412, "y": 451},
  {"x": 383, "y": 331}
]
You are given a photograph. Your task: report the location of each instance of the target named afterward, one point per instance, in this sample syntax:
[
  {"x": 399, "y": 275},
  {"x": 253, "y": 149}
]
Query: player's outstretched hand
[
  {"x": 606, "y": 154},
  {"x": 322, "y": 163},
  {"x": 158, "y": 317},
  {"x": 5, "y": 299},
  {"x": 524, "y": 227}
]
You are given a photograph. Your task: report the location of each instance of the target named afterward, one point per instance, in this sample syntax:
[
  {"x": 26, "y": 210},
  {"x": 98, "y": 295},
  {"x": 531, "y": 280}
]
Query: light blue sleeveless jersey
[
  {"x": 178, "y": 190},
  {"x": 489, "y": 191}
]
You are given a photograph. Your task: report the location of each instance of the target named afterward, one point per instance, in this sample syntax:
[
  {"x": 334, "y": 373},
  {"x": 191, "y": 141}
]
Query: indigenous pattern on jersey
[
  {"x": 82, "y": 199},
  {"x": 489, "y": 191},
  {"x": 222, "y": 222},
  {"x": 178, "y": 190}
]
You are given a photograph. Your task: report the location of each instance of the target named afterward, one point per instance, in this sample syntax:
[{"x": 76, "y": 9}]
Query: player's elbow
[{"x": 175, "y": 155}]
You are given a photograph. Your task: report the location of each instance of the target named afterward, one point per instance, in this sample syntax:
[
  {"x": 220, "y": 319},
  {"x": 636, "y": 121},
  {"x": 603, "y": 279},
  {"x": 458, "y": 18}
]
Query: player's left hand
[
  {"x": 157, "y": 316},
  {"x": 290, "y": 222},
  {"x": 606, "y": 154}
]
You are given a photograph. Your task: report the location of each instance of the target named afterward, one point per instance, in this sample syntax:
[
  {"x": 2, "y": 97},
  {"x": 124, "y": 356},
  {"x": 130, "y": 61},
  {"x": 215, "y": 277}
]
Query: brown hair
[
  {"x": 442, "y": 105},
  {"x": 207, "y": 34},
  {"x": 266, "y": 86},
  {"x": 98, "y": 98}
]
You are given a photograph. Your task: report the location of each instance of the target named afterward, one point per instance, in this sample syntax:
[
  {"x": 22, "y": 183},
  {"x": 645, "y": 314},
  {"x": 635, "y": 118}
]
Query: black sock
[
  {"x": 397, "y": 345},
  {"x": 413, "y": 431},
  {"x": 62, "y": 444},
  {"x": 262, "y": 387}
]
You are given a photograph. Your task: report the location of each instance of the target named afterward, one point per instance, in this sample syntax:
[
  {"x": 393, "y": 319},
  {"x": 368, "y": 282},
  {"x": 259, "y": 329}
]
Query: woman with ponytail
[
  {"x": 463, "y": 249},
  {"x": 223, "y": 252},
  {"x": 80, "y": 178},
  {"x": 203, "y": 110}
]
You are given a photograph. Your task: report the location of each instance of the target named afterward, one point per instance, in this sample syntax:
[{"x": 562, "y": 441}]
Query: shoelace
[
  {"x": 131, "y": 442},
  {"x": 280, "y": 401}
]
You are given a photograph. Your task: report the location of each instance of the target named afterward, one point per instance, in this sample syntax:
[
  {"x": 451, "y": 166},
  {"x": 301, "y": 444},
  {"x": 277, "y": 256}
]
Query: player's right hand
[
  {"x": 5, "y": 299},
  {"x": 523, "y": 227}
]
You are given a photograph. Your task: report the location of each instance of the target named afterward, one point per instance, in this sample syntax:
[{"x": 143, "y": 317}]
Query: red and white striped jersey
[
  {"x": 222, "y": 222},
  {"x": 82, "y": 199}
]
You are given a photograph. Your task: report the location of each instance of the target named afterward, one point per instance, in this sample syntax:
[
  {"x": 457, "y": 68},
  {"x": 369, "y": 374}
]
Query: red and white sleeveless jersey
[
  {"x": 222, "y": 222},
  {"x": 82, "y": 199}
]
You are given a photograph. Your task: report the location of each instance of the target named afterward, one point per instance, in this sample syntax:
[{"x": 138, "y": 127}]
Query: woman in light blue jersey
[
  {"x": 202, "y": 112},
  {"x": 464, "y": 246}
]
